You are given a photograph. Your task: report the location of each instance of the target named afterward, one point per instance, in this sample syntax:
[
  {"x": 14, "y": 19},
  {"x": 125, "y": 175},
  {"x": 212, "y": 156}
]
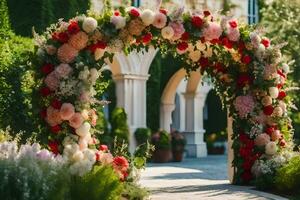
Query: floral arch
[{"x": 246, "y": 69}]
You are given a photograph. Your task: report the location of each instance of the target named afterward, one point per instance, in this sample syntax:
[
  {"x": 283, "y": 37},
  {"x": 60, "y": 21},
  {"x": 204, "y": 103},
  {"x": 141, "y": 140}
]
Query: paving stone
[{"x": 197, "y": 179}]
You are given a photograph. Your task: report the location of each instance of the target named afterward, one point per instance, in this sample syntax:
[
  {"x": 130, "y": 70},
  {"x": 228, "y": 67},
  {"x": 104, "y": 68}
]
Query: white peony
[
  {"x": 148, "y": 17},
  {"x": 94, "y": 75},
  {"x": 195, "y": 55},
  {"x": 286, "y": 68},
  {"x": 273, "y": 91},
  {"x": 118, "y": 21},
  {"x": 271, "y": 148},
  {"x": 99, "y": 53},
  {"x": 78, "y": 156},
  {"x": 167, "y": 32},
  {"x": 83, "y": 130},
  {"x": 89, "y": 24}
]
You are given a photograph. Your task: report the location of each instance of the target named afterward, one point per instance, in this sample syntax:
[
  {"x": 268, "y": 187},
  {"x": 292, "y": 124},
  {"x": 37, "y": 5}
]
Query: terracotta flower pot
[
  {"x": 177, "y": 156},
  {"x": 161, "y": 155}
]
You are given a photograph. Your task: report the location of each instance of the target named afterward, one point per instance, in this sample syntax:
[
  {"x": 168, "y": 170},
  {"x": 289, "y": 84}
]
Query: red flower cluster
[
  {"x": 281, "y": 95},
  {"x": 54, "y": 146},
  {"x": 233, "y": 23},
  {"x": 103, "y": 147},
  {"x": 243, "y": 80},
  {"x": 227, "y": 43},
  {"x": 147, "y": 38},
  {"x": 45, "y": 91},
  {"x": 121, "y": 165},
  {"x": 268, "y": 110},
  {"x": 94, "y": 47},
  {"x": 185, "y": 36},
  {"x": 206, "y": 13},
  {"x": 56, "y": 129},
  {"x": 246, "y": 59},
  {"x": 62, "y": 37},
  {"x": 204, "y": 62},
  {"x": 134, "y": 12},
  {"x": 266, "y": 42},
  {"x": 73, "y": 27},
  {"x": 55, "y": 103},
  {"x": 197, "y": 21},
  {"x": 47, "y": 68},
  {"x": 163, "y": 11},
  {"x": 182, "y": 46}
]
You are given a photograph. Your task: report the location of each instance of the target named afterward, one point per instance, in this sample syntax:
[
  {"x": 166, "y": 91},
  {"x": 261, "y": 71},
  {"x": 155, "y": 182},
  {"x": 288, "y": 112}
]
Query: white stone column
[
  {"x": 131, "y": 95},
  {"x": 166, "y": 116},
  {"x": 194, "y": 132}
]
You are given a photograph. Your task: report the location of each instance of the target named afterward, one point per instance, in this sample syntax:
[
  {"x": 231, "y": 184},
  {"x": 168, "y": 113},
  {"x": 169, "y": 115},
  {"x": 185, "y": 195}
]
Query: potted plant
[
  {"x": 216, "y": 142},
  {"x": 178, "y": 144},
  {"x": 142, "y": 135},
  {"x": 162, "y": 142}
]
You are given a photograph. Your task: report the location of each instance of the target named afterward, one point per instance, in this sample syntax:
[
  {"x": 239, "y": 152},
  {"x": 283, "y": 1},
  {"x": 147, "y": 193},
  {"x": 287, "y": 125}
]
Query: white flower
[
  {"x": 84, "y": 74},
  {"x": 90, "y": 155},
  {"x": 273, "y": 91},
  {"x": 78, "y": 156},
  {"x": 200, "y": 46},
  {"x": 94, "y": 75},
  {"x": 255, "y": 39},
  {"x": 99, "y": 53},
  {"x": 278, "y": 112},
  {"x": 148, "y": 17},
  {"x": 118, "y": 21},
  {"x": 271, "y": 148},
  {"x": 83, "y": 130},
  {"x": 266, "y": 101},
  {"x": 89, "y": 24},
  {"x": 63, "y": 70},
  {"x": 167, "y": 32},
  {"x": 286, "y": 68}
]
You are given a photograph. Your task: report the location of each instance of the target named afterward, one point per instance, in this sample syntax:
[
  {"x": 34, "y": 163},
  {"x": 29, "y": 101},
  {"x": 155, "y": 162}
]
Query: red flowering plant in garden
[{"x": 246, "y": 69}]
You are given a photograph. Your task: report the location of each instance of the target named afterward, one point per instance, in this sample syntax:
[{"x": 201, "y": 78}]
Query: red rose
[
  {"x": 245, "y": 152},
  {"x": 53, "y": 145},
  {"x": 241, "y": 47},
  {"x": 120, "y": 163},
  {"x": 206, "y": 13},
  {"x": 45, "y": 91},
  {"x": 185, "y": 36},
  {"x": 266, "y": 42},
  {"x": 56, "y": 104},
  {"x": 163, "y": 11},
  {"x": 243, "y": 138},
  {"x": 94, "y": 47},
  {"x": 215, "y": 41},
  {"x": 268, "y": 110},
  {"x": 246, "y": 59},
  {"x": 243, "y": 80},
  {"x": 197, "y": 21},
  {"x": 56, "y": 129},
  {"x": 204, "y": 62},
  {"x": 247, "y": 176},
  {"x": 47, "y": 68},
  {"x": 134, "y": 12},
  {"x": 281, "y": 73},
  {"x": 233, "y": 23},
  {"x": 249, "y": 144},
  {"x": 62, "y": 37},
  {"x": 97, "y": 155},
  {"x": 270, "y": 130},
  {"x": 147, "y": 38},
  {"x": 73, "y": 27},
  {"x": 117, "y": 13},
  {"x": 281, "y": 95},
  {"x": 43, "y": 113},
  {"x": 103, "y": 147},
  {"x": 219, "y": 67},
  {"x": 182, "y": 46},
  {"x": 227, "y": 43}
]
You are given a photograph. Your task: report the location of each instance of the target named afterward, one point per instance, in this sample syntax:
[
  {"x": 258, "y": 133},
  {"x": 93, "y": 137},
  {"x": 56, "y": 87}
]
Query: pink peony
[
  {"x": 262, "y": 139},
  {"x": 79, "y": 40},
  {"x": 213, "y": 31},
  {"x": 52, "y": 81},
  {"x": 178, "y": 29},
  {"x": 160, "y": 20},
  {"x": 66, "y": 53},
  {"x": 106, "y": 158},
  {"x": 67, "y": 111},
  {"x": 244, "y": 105},
  {"x": 76, "y": 120},
  {"x": 53, "y": 116},
  {"x": 63, "y": 70},
  {"x": 233, "y": 34}
]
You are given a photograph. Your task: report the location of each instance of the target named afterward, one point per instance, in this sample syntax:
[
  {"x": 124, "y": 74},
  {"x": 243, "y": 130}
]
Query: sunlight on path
[{"x": 193, "y": 179}]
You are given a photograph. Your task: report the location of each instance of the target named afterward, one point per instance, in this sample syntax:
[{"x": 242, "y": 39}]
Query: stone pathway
[{"x": 197, "y": 179}]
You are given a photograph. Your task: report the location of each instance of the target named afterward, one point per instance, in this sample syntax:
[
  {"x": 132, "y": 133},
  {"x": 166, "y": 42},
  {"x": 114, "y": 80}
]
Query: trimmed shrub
[
  {"x": 119, "y": 126},
  {"x": 142, "y": 135}
]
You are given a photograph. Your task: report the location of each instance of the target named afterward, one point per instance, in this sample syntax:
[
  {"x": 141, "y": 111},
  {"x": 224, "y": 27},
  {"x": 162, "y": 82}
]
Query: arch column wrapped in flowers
[{"x": 246, "y": 69}]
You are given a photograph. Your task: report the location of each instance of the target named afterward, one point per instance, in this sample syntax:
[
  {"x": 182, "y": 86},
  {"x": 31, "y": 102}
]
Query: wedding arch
[{"x": 246, "y": 69}]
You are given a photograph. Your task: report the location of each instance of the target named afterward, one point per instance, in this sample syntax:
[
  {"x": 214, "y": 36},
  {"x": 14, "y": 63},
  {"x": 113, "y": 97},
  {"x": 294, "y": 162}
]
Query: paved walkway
[{"x": 197, "y": 179}]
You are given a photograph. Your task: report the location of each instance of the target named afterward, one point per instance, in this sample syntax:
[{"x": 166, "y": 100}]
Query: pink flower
[
  {"x": 67, "y": 111},
  {"x": 66, "y": 53},
  {"x": 244, "y": 105},
  {"x": 106, "y": 158},
  {"x": 53, "y": 116},
  {"x": 63, "y": 70},
  {"x": 160, "y": 20},
  {"x": 85, "y": 97},
  {"x": 52, "y": 81},
  {"x": 262, "y": 139},
  {"x": 213, "y": 31},
  {"x": 233, "y": 34},
  {"x": 93, "y": 117},
  {"x": 178, "y": 29},
  {"x": 79, "y": 40},
  {"x": 76, "y": 120}
]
